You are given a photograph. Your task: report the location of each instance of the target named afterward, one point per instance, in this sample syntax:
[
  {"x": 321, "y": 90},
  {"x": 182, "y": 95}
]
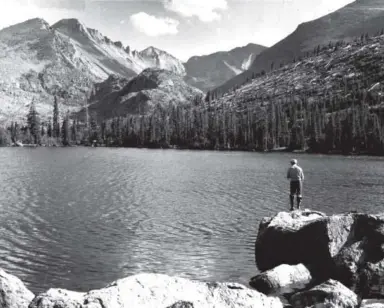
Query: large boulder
[
  {"x": 13, "y": 292},
  {"x": 360, "y": 263},
  {"x": 307, "y": 237},
  {"x": 283, "y": 279},
  {"x": 158, "y": 291},
  {"x": 328, "y": 294}
]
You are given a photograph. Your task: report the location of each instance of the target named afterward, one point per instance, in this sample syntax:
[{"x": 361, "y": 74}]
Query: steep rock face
[
  {"x": 210, "y": 71},
  {"x": 141, "y": 94},
  {"x": 13, "y": 293},
  {"x": 158, "y": 58},
  {"x": 38, "y": 61},
  {"x": 113, "y": 57},
  {"x": 35, "y": 63},
  {"x": 328, "y": 294},
  {"x": 347, "y": 23},
  {"x": 99, "y": 52},
  {"x": 160, "y": 291}
]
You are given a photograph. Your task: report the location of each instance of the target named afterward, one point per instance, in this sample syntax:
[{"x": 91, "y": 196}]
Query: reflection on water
[{"x": 79, "y": 218}]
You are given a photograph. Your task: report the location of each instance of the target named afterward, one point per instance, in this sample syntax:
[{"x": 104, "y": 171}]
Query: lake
[{"x": 79, "y": 218}]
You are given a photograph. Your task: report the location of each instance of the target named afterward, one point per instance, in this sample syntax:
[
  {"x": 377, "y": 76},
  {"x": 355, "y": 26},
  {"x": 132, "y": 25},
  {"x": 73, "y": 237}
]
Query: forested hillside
[{"x": 328, "y": 102}]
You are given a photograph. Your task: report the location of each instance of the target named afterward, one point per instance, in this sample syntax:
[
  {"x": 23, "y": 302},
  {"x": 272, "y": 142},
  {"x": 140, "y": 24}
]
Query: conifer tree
[
  {"x": 49, "y": 129},
  {"x": 65, "y": 130},
  {"x": 42, "y": 130},
  {"x": 33, "y": 121},
  {"x": 56, "y": 123},
  {"x": 74, "y": 131}
]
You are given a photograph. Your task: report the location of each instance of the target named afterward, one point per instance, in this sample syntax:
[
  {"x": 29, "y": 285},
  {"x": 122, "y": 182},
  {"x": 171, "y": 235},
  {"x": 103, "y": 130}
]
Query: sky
[{"x": 184, "y": 28}]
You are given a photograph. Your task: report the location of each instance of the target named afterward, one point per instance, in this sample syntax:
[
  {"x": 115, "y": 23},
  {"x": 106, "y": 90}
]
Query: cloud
[
  {"x": 154, "y": 26},
  {"x": 205, "y": 10},
  {"x": 59, "y": 4}
]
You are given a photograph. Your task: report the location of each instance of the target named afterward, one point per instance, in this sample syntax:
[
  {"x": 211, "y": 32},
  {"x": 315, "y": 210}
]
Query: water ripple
[{"x": 80, "y": 218}]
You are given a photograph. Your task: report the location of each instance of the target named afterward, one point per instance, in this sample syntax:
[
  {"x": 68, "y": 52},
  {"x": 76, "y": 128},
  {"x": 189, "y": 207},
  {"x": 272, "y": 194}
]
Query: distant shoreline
[{"x": 278, "y": 150}]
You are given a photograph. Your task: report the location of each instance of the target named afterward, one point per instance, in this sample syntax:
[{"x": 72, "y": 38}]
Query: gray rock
[
  {"x": 283, "y": 279},
  {"x": 13, "y": 292},
  {"x": 328, "y": 294},
  {"x": 307, "y": 237},
  {"x": 158, "y": 291},
  {"x": 360, "y": 265}
]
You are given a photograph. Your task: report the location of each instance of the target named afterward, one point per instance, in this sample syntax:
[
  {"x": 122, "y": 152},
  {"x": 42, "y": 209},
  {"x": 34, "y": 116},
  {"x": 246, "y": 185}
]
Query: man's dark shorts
[{"x": 296, "y": 188}]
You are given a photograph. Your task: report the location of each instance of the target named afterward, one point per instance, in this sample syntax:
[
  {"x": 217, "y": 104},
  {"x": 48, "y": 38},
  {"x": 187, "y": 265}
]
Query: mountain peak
[
  {"x": 119, "y": 44},
  {"x": 161, "y": 59},
  {"x": 34, "y": 23},
  {"x": 151, "y": 51},
  {"x": 71, "y": 25}
]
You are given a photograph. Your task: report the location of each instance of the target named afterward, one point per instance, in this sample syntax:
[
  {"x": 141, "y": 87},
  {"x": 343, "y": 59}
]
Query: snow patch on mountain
[
  {"x": 234, "y": 69},
  {"x": 210, "y": 71},
  {"x": 247, "y": 62}
]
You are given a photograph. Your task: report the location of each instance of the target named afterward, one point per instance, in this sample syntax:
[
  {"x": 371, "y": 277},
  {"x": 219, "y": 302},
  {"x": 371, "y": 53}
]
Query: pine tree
[
  {"x": 65, "y": 130},
  {"x": 33, "y": 121},
  {"x": 93, "y": 127},
  {"x": 15, "y": 131},
  {"x": 208, "y": 96},
  {"x": 49, "y": 129},
  {"x": 56, "y": 123},
  {"x": 74, "y": 131},
  {"x": 42, "y": 130}
]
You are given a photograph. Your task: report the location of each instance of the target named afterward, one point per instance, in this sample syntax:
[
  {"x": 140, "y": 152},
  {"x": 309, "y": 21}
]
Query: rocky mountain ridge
[
  {"x": 353, "y": 20},
  {"x": 120, "y": 96},
  {"x": 39, "y": 61},
  {"x": 338, "y": 70}
]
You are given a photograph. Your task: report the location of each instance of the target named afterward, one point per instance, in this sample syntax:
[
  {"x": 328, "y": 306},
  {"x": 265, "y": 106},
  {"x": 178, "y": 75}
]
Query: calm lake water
[{"x": 80, "y": 218}]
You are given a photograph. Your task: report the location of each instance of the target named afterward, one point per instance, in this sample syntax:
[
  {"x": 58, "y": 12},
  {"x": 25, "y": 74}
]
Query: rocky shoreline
[
  {"x": 305, "y": 258},
  {"x": 315, "y": 260}
]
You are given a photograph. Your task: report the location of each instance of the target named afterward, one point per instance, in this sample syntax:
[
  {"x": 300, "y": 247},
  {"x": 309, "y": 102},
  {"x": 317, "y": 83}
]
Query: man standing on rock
[{"x": 296, "y": 175}]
